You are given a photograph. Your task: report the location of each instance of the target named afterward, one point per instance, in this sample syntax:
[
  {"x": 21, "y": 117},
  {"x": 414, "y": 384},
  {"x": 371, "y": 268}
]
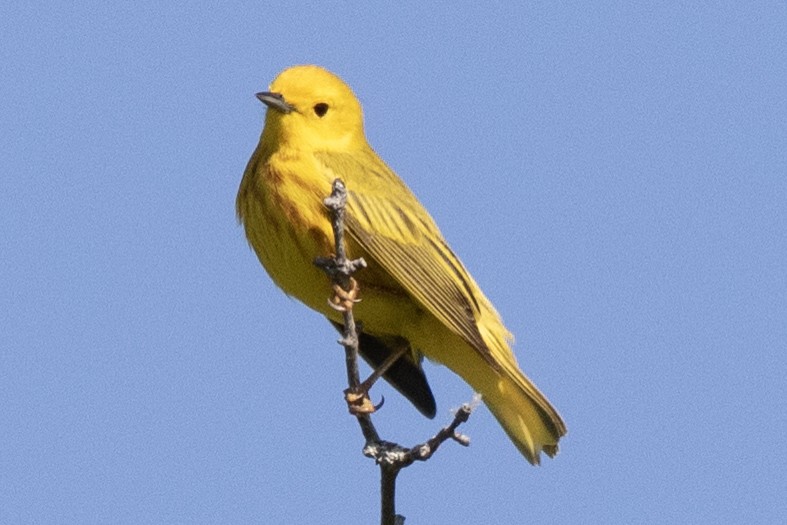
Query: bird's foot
[
  {"x": 343, "y": 300},
  {"x": 358, "y": 401}
]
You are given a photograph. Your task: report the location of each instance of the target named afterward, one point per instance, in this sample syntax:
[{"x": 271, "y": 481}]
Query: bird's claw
[
  {"x": 343, "y": 300},
  {"x": 359, "y": 403}
]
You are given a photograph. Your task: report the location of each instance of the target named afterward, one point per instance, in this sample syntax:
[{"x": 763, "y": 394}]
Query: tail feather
[{"x": 524, "y": 413}]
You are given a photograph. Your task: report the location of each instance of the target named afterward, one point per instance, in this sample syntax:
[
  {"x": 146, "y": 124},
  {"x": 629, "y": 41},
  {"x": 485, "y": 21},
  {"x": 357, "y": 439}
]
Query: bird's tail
[{"x": 524, "y": 413}]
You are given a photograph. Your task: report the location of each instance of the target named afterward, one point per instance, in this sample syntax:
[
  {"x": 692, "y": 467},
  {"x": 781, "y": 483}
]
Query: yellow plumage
[{"x": 415, "y": 291}]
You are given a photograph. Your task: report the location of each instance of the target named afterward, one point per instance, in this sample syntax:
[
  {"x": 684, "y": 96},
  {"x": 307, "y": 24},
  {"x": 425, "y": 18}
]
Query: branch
[
  {"x": 340, "y": 270},
  {"x": 391, "y": 457}
]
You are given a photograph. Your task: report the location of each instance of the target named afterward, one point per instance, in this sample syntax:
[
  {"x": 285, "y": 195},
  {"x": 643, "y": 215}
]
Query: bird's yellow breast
[{"x": 280, "y": 205}]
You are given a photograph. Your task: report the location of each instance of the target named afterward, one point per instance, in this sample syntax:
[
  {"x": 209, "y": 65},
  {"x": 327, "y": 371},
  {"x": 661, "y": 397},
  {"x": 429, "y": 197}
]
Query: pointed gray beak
[{"x": 274, "y": 101}]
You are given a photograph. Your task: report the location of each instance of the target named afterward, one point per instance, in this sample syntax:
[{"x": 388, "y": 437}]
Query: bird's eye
[{"x": 320, "y": 109}]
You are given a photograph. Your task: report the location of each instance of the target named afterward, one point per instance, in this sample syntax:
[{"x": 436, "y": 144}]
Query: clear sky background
[{"x": 613, "y": 175}]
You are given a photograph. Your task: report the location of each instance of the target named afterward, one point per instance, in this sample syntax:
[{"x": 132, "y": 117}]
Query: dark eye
[{"x": 320, "y": 109}]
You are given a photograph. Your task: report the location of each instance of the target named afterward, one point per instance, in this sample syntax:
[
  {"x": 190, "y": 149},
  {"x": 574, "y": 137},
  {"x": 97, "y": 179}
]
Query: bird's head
[{"x": 313, "y": 108}]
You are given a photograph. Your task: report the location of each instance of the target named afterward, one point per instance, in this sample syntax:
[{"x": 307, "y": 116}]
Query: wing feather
[{"x": 398, "y": 233}]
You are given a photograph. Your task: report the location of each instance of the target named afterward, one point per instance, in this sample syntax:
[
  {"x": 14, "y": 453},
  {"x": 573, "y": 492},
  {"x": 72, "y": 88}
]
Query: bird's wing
[{"x": 388, "y": 222}]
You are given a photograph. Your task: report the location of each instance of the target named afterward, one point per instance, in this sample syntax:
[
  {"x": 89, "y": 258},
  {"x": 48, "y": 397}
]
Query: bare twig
[
  {"x": 391, "y": 457},
  {"x": 340, "y": 270}
]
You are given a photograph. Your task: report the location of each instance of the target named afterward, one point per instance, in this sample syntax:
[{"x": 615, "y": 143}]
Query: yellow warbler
[{"x": 416, "y": 294}]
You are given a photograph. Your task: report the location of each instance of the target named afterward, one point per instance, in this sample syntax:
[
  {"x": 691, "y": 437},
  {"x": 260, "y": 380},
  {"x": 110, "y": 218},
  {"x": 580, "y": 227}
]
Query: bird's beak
[{"x": 275, "y": 101}]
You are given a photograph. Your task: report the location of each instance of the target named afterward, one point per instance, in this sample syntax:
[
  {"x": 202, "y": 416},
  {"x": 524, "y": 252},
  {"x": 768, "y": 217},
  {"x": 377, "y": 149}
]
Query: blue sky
[{"x": 613, "y": 175}]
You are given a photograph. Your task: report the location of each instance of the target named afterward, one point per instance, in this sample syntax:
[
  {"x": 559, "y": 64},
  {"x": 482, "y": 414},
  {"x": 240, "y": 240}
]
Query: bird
[{"x": 417, "y": 298}]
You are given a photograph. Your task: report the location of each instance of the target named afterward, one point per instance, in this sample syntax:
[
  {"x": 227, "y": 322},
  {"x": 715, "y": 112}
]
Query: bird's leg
[
  {"x": 358, "y": 399},
  {"x": 383, "y": 368}
]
